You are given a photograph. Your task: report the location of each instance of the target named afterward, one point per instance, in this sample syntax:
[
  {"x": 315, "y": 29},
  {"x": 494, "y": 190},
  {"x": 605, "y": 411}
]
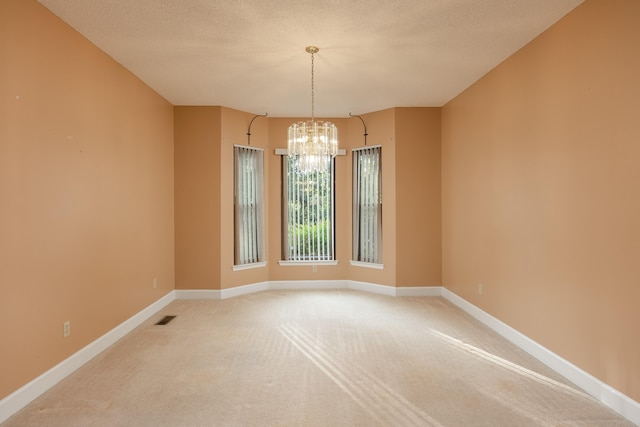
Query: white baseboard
[
  {"x": 401, "y": 291},
  {"x": 407, "y": 291},
  {"x": 198, "y": 294},
  {"x": 30, "y": 391},
  {"x": 308, "y": 284},
  {"x": 243, "y": 290},
  {"x": 622, "y": 404},
  {"x": 419, "y": 291},
  {"x": 222, "y": 294},
  {"x": 372, "y": 288}
]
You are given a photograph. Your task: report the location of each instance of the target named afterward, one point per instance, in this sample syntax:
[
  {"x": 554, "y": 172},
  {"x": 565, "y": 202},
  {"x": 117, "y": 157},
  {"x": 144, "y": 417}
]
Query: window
[
  {"x": 308, "y": 212},
  {"x": 367, "y": 205},
  {"x": 248, "y": 206}
]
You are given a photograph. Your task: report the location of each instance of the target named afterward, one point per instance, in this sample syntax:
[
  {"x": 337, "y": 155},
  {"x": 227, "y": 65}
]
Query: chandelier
[{"x": 312, "y": 143}]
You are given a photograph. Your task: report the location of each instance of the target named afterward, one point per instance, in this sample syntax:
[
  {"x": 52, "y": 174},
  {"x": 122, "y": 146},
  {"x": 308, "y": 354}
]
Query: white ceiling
[{"x": 250, "y": 54}]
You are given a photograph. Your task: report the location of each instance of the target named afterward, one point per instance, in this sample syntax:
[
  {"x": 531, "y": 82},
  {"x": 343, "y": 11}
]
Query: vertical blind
[
  {"x": 248, "y": 205},
  {"x": 308, "y": 208},
  {"x": 367, "y": 204}
]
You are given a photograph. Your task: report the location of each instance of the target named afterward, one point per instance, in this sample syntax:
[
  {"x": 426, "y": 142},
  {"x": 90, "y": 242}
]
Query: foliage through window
[{"x": 308, "y": 212}]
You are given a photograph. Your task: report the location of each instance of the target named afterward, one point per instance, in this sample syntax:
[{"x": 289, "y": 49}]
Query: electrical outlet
[
  {"x": 66, "y": 328},
  {"x": 479, "y": 288},
  {"x": 155, "y": 283},
  {"x": 314, "y": 269}
]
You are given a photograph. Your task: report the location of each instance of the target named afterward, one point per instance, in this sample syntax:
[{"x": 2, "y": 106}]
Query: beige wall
[
  {"x": 381, "y": 130},
  {"x": 541, "y": 185},
  {"x": 235, "y": 125},
  {"x": 86, "y": 193},
  {"x": 411, "y": 226},
  {"x": 417, "y": 205},
  {"x": 197, "y": 197},
  {"x": 204, "y": 140}
]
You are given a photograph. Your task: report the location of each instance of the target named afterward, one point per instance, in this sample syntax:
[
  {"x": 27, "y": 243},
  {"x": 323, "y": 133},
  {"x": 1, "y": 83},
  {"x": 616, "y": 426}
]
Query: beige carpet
[{"x": 314, "y": 358}]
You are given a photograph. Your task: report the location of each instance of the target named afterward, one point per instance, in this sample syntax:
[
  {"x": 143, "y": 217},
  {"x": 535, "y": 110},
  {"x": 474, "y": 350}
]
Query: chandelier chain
[{"x": 312, "y": 91}]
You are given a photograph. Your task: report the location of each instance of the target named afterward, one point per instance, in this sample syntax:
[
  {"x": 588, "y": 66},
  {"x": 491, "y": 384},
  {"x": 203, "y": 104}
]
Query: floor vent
[{"x": 165, "y": 320}]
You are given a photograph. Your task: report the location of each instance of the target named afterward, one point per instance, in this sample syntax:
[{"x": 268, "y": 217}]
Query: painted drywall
[
  {"x": 411, "y": 212},
  {"x": 204, "y": 140},
  {"x": 234, "y": 129},
  {"x": 381, "y": 130},
  {"x": 86, "y": 189},
  {"x": 197, "y": 195},
  {"x": 540, "y": 189},
  {"x": 418, "y": 209}
]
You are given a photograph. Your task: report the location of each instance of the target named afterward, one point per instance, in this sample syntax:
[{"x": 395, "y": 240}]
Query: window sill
[
  {"x": 249, "y": 266},
  {"x": 367, "y": 265},
  {"x": 297, "y": 263}
]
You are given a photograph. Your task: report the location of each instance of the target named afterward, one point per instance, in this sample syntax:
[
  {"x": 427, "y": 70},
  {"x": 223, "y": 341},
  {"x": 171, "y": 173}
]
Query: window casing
[
  {"x": 367, "y": 205},
  {"x": 308, "y": 213},
  {"x": 248, "y": 205}
]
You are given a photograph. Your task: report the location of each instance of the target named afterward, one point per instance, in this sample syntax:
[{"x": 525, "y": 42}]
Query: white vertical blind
[
  {"x": 248, "y": 205},
  {"x": 308, "y": 202},
  {"x": 367, "y": 204}
]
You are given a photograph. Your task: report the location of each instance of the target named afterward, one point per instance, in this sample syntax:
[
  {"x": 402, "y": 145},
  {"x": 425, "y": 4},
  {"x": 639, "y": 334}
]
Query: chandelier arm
[{"x": 363, "y": 124}]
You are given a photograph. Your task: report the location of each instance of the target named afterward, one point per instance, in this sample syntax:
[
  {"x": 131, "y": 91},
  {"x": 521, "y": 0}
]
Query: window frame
[
  {"x": 254, "y": 255},
  {"x": 373, "y": 257},
  {"x": 285, "y": 252}
]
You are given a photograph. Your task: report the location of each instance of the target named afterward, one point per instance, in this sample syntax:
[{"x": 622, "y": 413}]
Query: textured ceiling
[{"x": 250, "y": 54}]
